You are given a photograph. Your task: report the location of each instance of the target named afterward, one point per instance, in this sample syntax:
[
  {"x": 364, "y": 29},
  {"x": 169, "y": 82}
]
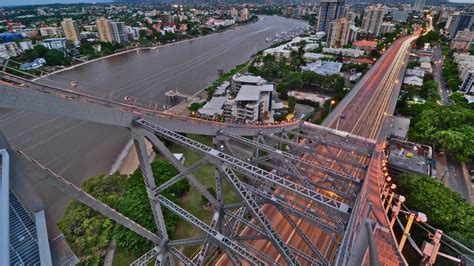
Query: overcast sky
[{"x": 42, "y": 2}]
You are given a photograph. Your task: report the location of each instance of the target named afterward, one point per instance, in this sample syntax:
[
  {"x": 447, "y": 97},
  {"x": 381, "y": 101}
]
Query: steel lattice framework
[{"x": 288, "y": 188}]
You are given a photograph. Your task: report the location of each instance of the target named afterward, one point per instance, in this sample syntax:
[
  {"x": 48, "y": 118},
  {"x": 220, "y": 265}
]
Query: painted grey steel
[
  {"x": 311, "y": 151},
  {"x": 337, "y": 144},
  {"x": 289, "y": 156},
  {"x": 4, "y": 209},
  {"x": 308, "y": 181},
  {"x": 83, "y": 197},
  {"x": 188, "y": 241},
  {"x": 217, "y": 237},
  {"x": 254, "y": 208},
  {"x": 43, "y": 242},
  {"x": 245, "y": 167},
  {"x": 191, "y": 169},
  {"x": 305, "y": 238},
  {"x": 299, "y": 210},
  {"x": 39, "y": 98}
]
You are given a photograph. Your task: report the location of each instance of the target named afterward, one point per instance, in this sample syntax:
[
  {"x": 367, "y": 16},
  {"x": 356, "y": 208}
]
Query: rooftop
[
  {"x": 247, "y": 78},
  {"x": 252, "y": 93},
  {"x": 365, "y": 43},
  {"x": 408, "y": 156},
  {"x": 214, "y": 106}
]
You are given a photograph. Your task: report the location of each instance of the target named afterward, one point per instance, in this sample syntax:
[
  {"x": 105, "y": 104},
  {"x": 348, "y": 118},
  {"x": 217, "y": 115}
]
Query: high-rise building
[
  {"x": 329, "y": 10},
  {"x": 71, "y": 30},
  {"x": 339, "y": 31},
  {"x": 419, "y": 5},
  {"x": 244, "y": 14},
  {"x": 464, "y": 21},
  {"x": 119, "y": 31},
  {"x": 234, "y": 12},
  {"x": 463, "y": 41},
  {"x": 105, "y": 31},
  {"x": 387, "y": 27},
  {"x": 468, "y": 84},
  {"x": 400, "y": 15},
  {"x": 373, "y": 17}
]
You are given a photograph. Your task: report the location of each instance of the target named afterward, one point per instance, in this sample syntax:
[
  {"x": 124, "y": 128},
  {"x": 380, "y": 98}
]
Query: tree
[
  {"x": 211, "y": 191},
  {"x": 135, "y": 204},
  {"x": 291, "y": 104},
  {"x": 445, "y": 209},
  {"x": 55, "y": 57},
  {"x": 296, "y": 83},
  {"x": 194, "y": 106},
  {"x": 88, "y": 232}
]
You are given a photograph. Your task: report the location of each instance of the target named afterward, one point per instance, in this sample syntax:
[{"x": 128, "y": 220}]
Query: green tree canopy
[
  {"x": 88, "y": 232},
  {"x": 445, "y": 209}
]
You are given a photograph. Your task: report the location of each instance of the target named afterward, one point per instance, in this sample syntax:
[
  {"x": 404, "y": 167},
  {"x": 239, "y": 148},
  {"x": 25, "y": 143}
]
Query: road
[
  {"x": 78, "y": 149},
  {"x": 438, "y": 61},
  {"x": 374, "y": 97}
]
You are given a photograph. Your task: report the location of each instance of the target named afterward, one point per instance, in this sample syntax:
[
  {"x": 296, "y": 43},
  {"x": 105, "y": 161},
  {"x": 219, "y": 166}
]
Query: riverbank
[{"x": 137, "y": 49}]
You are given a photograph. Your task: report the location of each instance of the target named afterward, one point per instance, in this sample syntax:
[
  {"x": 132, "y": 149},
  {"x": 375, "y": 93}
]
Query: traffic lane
[
  {"x": 68, "y": 147},
  {"x": 455, "y": 180}
]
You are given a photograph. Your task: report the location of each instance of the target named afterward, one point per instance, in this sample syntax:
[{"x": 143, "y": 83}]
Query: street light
[
  {"x": 413, "y": 216},
  {"x": 333, "y": 102}
]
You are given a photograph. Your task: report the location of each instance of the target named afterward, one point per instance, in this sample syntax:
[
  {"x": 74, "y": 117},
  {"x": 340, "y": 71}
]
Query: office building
[
  {"x": 467, "y": 86},
  {"x": 387, "y": 27},
  {"x": 463, "y": 41},
  {"x": 71, "y": 30},
  {"x": 105, "y": 31},
  {"x": 464, "y": 20},
  {"x": 244, "y": 14},
  {"x": 372, "y": 22},
  {"x": 419, "y": 5},
  {"x": 400, "y": 16},
  {"x": 119, "y": 31},
  {"x": 254, "y": 103},
  {"x": 50, "y": 32},
  {"x": 329, "y": 10},
  {"x": 238, "y": 80},
  {"x": 339, "y": 31}
]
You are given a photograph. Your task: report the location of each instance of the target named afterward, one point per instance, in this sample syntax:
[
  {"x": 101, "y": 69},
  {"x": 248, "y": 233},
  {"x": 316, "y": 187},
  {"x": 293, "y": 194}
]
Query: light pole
[
  {"x": 333, "y": 102},
  {"x": 396, "y": 209},
  {"x": 420, "y": 217}
]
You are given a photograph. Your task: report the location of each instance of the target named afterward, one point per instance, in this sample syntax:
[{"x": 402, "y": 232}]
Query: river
[{"x": 79, "y": 149}]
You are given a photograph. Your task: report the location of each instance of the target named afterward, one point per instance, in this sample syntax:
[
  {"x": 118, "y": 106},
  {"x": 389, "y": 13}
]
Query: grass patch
[
  {"x": 123, "y": 257},
  {"x": 192, "y": 201}
]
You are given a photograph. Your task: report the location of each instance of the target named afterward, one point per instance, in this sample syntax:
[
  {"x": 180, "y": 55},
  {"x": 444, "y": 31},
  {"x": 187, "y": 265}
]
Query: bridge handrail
[{"x": 74, "y": 95}]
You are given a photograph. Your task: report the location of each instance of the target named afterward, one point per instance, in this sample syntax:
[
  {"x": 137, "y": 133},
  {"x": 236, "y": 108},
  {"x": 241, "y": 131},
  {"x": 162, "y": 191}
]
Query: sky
[{"x": 42, "y": 2}]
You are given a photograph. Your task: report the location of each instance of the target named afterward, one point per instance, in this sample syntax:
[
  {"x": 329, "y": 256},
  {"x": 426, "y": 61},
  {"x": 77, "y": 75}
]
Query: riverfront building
[
  {"x": 339, "y": 32},
  {"x": 71, "y": 30},
  {"x": 329, "y": 10},
  {"x": 372, "y": 22}
]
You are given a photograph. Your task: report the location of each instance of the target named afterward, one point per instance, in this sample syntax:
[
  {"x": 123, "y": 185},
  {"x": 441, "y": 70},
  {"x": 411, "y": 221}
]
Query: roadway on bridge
[{"x": 363, "y": 116}]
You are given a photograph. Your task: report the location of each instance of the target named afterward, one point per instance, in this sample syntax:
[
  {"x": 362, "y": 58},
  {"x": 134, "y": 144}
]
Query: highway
[{"x": 374, "y": 99}]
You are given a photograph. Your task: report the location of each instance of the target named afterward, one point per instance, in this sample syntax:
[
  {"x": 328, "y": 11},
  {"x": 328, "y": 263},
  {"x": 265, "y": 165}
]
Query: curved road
[{"x": 78, "y": 149}]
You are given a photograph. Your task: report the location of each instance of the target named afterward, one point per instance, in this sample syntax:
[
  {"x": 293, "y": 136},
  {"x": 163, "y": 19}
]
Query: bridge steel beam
[
  {"x": 337, "y": 144},
  {"x": 78, "y": 194},
  {"x": 254, "y": 208},
  {"x": 308, "y": 181},
  {"x": 300, "y": 210},
  {"x": 319, "y": 155},
  {"x": 290, "y": 157},
  {"x": 217, "y": 237},
  {"x": 191, "y": 169},
  {"x": 245, "y": 167},
  {"x": 305, "y": 238}
]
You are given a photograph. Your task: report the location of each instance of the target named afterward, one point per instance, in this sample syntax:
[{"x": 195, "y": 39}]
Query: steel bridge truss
[{"x": 236, "y": 225}]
